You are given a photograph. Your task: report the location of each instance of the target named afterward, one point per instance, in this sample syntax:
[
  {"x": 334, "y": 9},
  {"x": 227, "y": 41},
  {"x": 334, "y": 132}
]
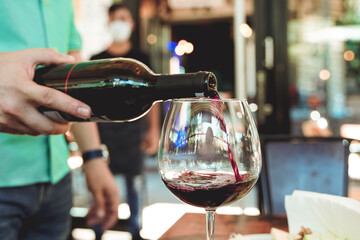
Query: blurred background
[{"x": 296, "y": 61}]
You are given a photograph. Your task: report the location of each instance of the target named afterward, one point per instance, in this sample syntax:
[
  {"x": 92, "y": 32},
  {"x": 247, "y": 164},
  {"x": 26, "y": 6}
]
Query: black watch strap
[
  {"x": 96, "y": 153},
  {"x": 92, "y": 154}
]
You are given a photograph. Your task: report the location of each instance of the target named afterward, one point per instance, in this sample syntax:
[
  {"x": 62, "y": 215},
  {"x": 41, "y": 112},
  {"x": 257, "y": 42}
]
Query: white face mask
[{"x": 120, "y": 30}]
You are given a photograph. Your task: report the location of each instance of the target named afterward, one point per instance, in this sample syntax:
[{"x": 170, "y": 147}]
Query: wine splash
[{"x": 217, "y": 106}]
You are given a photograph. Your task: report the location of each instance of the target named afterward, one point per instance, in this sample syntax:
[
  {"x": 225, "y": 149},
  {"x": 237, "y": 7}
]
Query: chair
[{"x": 311, "y": 164}]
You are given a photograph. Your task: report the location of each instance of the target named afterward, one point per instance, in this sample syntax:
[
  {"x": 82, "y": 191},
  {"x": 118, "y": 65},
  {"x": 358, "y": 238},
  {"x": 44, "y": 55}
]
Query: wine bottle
[{"x": 120, "y": 89}]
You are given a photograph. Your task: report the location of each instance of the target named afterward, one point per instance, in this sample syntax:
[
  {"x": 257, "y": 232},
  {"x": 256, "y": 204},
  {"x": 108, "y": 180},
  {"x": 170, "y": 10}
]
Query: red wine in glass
[
  {"x": 197, "y": 171},
  {"x": 209, "y": 190}
]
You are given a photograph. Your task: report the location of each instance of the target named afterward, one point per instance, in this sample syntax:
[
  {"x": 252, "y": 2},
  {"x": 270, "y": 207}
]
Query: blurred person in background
[
  {"x": 127, "y": 142},
  {"x": 35, "y": 180}
]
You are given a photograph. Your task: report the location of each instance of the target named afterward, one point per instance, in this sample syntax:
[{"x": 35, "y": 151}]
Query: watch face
[{"x": 105, "y": 152}]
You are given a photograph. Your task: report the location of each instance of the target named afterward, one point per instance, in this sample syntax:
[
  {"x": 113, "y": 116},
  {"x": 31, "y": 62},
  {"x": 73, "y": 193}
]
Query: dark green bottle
[{"x": 120, "y": 89}]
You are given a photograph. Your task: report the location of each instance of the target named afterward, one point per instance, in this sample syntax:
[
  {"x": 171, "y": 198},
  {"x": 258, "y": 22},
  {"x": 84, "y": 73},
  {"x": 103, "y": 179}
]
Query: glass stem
[{"x": 210, "y": 223}]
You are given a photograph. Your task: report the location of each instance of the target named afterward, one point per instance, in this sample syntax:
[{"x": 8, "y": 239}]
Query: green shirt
[{"x": 24, "y": 24}]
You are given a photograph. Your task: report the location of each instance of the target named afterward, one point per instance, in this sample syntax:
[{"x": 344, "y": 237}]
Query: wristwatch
[{"x": 102, "y": 153}]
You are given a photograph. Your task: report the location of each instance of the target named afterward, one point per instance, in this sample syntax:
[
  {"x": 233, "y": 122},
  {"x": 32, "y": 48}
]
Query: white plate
[{"x": 259, "y": 237}]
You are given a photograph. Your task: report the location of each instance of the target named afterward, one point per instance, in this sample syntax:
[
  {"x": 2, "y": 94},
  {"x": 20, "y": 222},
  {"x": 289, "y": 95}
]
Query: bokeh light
[
  {"x": 246, "y": 30},
  {"x": 183, "y": 47},
  {"x": 179, "y": 50},
  {"x": 253, "y": 107},
  {"x": 75, "y": 162},
  {"x": 322, "y": 123},
  {"x": 324, "y": 74},
  {"x": 151, "y": 39},
  {"x": 189, "y": 48},
  {"x": 182, "y": 43},
  {"x": 315, "y": 115},
  {"x": 349, "y": 55}
]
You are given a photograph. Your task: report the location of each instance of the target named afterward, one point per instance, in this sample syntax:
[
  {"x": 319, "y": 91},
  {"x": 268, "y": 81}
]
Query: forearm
[
  {"x": 86, "y": 135},
  {"x": 154, "y": 118},
  {"x": 151, "y": 139}
]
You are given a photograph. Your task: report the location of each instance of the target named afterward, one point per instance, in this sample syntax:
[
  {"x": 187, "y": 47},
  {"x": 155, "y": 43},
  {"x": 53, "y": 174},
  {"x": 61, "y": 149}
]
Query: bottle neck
[{"x": 186, "y": 85}]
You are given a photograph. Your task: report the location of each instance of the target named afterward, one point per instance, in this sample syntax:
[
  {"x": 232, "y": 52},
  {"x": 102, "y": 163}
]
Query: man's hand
[
  {"x": 103, "y": 187},
  {"x": 20, "y": 96},
  {"x": 99, "y": 179}
]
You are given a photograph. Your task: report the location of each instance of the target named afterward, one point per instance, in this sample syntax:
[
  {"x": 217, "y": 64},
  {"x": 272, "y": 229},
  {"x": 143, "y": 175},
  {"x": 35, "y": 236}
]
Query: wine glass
[{"x": 209, "y": 154}]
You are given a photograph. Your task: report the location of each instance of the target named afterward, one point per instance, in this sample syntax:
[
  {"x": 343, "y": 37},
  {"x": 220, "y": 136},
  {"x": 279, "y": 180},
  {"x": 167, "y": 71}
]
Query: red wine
[
  {"x": 209, "y": 190},
  {"x": 217, "y": 106},
  {"x": 120, "y": 89}
]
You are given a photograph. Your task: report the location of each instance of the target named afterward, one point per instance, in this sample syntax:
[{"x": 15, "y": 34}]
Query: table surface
[{"x": 192, "y": 226}]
